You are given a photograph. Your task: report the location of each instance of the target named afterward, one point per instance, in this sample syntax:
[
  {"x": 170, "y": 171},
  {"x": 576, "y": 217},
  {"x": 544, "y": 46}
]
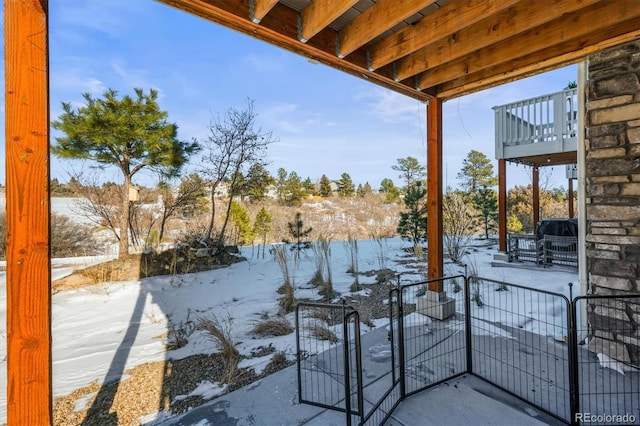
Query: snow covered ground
[{"x": 90, "y": 324}]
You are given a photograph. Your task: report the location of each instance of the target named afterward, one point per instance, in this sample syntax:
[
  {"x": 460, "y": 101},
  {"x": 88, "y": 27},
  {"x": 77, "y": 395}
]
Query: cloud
[
  {"x": 289, "y": 118},
  {"x": 391, "y": 107},
  {"x": 132, "y": 77},
  {"x": 112, "y": 17},
  {"x": 77, "y": 80},
  {"x": 265, "y": 63}
]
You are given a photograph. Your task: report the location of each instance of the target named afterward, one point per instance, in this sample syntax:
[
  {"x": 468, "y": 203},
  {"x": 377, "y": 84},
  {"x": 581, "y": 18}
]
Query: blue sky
[{"x": 327, "y": 122}]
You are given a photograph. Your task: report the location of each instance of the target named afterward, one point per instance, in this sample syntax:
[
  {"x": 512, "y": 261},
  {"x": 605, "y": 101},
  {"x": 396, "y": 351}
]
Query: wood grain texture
[
  {"x": 434, "y": 194},
  {"x": 27, "y": 186}
]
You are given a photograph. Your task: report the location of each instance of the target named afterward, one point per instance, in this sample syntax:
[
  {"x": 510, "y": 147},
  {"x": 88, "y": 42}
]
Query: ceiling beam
[
  {"x": 450, "y": 18},
  {"x": 566, "y": 34},
  {"x": 279, "y": 28},
  {"x": 507, "y": 23},
  {"x": 532, "y": 65},
  {"x": 319, "y": 14},
  {"x": 382, "y": 16},
  {"x": 258, "y": 9}
]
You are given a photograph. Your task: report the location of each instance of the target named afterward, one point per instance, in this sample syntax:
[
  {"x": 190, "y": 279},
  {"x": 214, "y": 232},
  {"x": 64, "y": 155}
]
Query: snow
[{"x": 101, "y": 331}]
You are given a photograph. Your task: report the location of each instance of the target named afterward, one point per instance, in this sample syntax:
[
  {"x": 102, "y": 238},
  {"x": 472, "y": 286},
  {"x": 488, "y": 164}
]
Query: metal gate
[{"x": 329, "y": 358}]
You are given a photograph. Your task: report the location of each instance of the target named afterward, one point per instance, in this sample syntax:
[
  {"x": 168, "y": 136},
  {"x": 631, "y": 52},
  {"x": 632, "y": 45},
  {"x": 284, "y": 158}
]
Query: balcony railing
[{"x": 542, "y": 125}]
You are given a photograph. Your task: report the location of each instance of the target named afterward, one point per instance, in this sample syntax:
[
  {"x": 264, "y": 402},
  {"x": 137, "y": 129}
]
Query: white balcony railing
[{"x": 541, "y": 125}]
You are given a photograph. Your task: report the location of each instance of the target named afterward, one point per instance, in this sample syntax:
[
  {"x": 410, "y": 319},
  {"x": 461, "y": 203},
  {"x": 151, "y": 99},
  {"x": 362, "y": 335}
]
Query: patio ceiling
[{"x": 427, "y": 48}]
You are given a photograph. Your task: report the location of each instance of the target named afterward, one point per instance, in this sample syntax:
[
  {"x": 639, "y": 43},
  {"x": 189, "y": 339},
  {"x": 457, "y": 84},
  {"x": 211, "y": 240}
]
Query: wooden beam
[
  {"x": 570, "y": 198},
  {"x": 519, "y": 18},
  {"x": 382, "y": 16},
  {"x": 502, "y": 205},
  {"x": 28, "y": 211},
  {"x": 535, "y": 189},
  {"x": 435, "y": 245},
  {"x": 279, "y": 27},
  {"x": 258, "y": 9},
  {"x": 320, "y": 13},
  {"x": 572, "y": 27},
  {"x": 556, "y": 56},
  {"x": 448, "y": 19}
]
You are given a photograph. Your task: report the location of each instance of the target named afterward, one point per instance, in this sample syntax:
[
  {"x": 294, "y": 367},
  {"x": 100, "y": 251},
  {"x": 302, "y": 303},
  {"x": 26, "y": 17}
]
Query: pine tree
[
  {"x": 486, "y": 202},
  {"x": 325, "y": 187},
  {"x": 308, "y": 187},
  {"x": 129, "y": 133},
  {"x": 258, "y": 181},
  {"x": 413, "y": 222},
  {"x": 477, "y": 171},
  {"x": 360, "y": 190},
  {"x": 239, "y": 217},
  {"x": 391, "y": 191},
  {"x": 347, "y": 189},
  {"x": 410, "y": 170},
  {"x": 262, "y": 226},
  {"x": 297, "y": 231}
]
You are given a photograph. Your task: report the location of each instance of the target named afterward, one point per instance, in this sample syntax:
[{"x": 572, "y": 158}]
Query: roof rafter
[
  {"x": 450, "y": 18},
  {"x": 258, "y": 9},
  {"x": 531, "y": 65},
  {"x": 571, "y": 30},
  {"x": 319, "y": 14},
  {"x": 503, "y": 25},
  {"x": 377, "y": 19}
]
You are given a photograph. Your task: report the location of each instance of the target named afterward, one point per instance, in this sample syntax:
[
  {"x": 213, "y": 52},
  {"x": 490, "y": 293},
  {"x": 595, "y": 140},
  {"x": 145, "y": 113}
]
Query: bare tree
[
  {"x": 233, "y": 144},
  {"x": 99, "y": 204},
  {"x": 186, "y": 198},
  {"x": 458, "y": 223}
]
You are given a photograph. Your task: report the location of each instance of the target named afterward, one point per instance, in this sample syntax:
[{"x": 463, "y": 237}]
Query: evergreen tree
[
  {"x": 309, "y": 187},
  {"x": 391, "y": 191},
  {"x": 297, "y": 231},
  {"x": 239, "y": 217},
  {"x": 262, "y": 226},
  {"x": 413, "y": 222},
  {"x": 281, "y": 185},
  {"x": 258, "y": 181},
  {"x": 477, "y": 171},
  {"x": 410, "y": 170},
  {"x": 360, "y": 190},
  {"x": 325, "y": 187},
  {"x": 486, "y": 202},
  {"x": 347, "y": 189},
  {"x": 366, "y": 190},
  {"x": 129, "y": 133},
  {"x": 294, "y": 190}
]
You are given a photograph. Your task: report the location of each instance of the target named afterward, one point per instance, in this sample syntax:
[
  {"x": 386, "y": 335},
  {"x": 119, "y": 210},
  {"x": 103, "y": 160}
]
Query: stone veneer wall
[{"x": 613, "y": 199}]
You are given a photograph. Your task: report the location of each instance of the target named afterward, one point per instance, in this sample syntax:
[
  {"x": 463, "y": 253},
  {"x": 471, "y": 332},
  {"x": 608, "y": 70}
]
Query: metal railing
[
  {"x": 526, "y": 341},
  {"x": 519, "y": 342},
  {"x": 328, "y": 357},
  {"x": 607, "y": 388},
  {"x": 550, "y": 250}
]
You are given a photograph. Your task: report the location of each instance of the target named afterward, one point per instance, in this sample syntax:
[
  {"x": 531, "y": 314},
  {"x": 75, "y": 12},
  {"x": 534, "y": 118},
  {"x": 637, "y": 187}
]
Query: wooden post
[
  {"x": 536, "y": 197},
  {"x": 570, "y": 198},
  {"x": 27, "y": 192},
  {"x": 502, "y": 205},
  {"x": 434, "y": 194}
]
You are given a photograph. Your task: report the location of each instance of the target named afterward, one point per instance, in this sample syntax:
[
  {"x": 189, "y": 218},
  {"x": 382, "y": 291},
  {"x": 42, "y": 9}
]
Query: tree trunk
[
  {"x": 213, "y": 211},
  {"x": 124, "y": 219}
]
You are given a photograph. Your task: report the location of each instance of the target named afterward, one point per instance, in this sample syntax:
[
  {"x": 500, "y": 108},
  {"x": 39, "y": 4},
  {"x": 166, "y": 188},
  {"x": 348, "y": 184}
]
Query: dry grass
[
  {"x": 288, "y": 301},
  {"x": 278, "y": 326},
  {"x": 323, "y": 333}
]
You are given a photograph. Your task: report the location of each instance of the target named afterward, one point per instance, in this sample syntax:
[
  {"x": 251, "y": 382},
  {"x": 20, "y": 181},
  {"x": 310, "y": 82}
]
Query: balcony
[{"x": 540, "y": 130}]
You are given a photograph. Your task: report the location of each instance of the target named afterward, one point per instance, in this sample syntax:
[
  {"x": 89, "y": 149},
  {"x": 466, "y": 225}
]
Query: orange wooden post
[
  {"x": 27, "y": 186},
  {"x": 536, "y": 197},
  {"x": 434, "y": 194},
  {"x": 570, "y": 198},
  {"x": 502, "y": 205}
]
